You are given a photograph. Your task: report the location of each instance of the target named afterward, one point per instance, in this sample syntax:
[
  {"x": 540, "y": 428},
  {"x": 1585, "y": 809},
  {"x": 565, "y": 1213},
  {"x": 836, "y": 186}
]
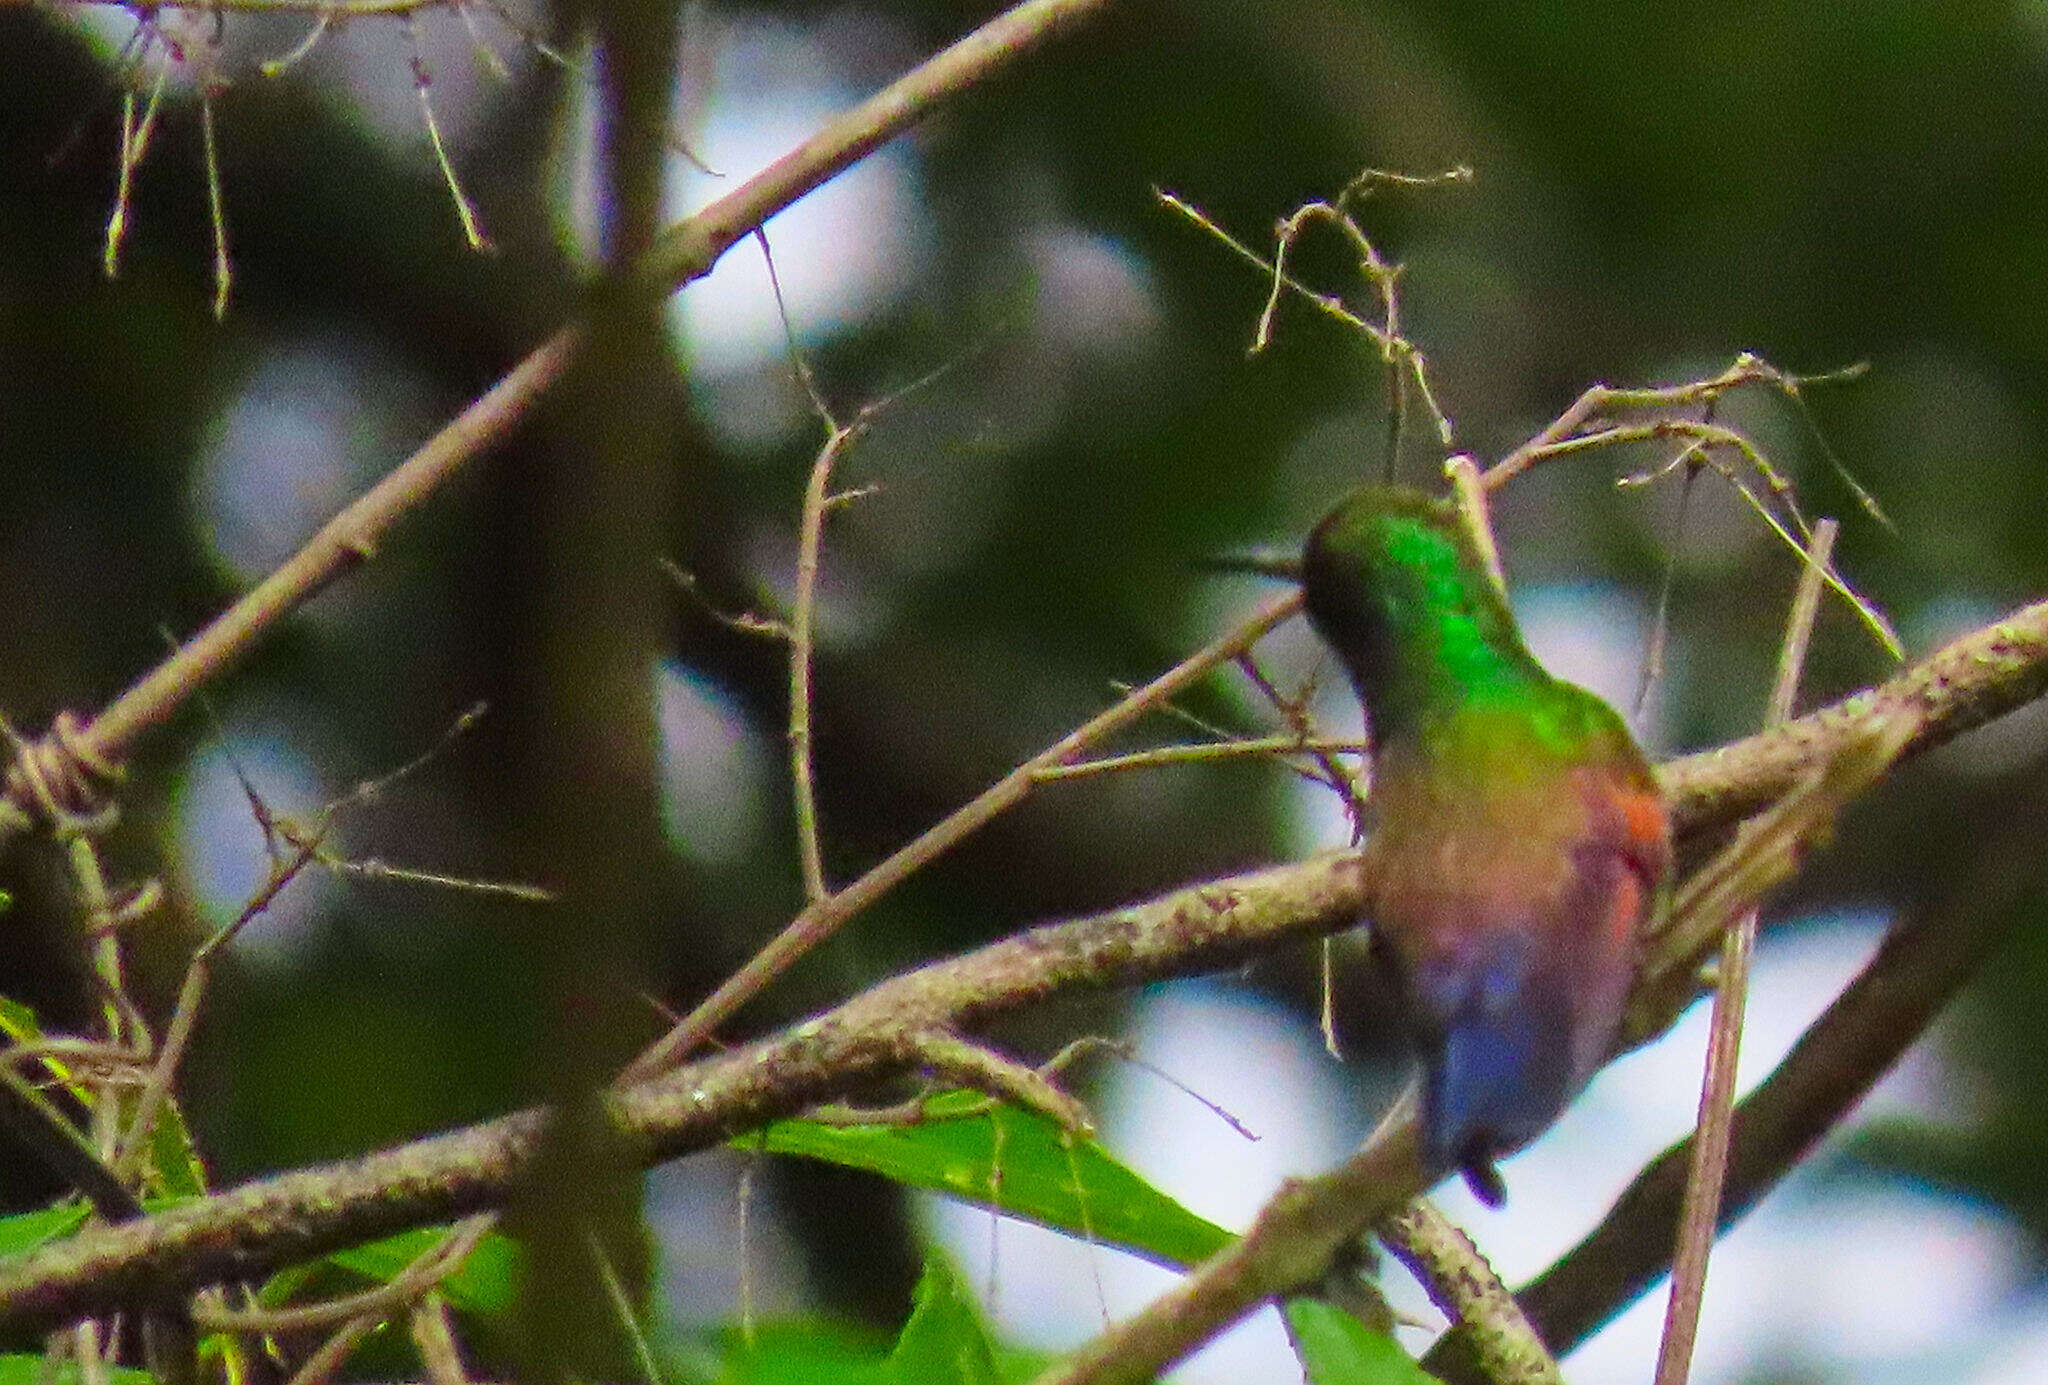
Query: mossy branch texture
[{"x": 275, "y": 1221}]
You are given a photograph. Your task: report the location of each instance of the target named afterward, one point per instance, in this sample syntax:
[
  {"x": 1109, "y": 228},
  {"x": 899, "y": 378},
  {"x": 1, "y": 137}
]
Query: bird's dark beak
[{"x": 1264, "y": 562}]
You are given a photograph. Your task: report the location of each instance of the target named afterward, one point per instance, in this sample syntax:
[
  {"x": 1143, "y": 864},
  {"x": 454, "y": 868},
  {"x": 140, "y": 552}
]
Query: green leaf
[
  {"x": 25, "y": 1231},
  {"x": 18, "y": 1021},
  {"x": 1016, "y": 1161},
  {"x": 806, "y": 1353},
  {"x": 943, "y": 1343},
  {"x": 30, "y": 1368},
  {"x": 173, "y": 1155},
  {"x": 1337, "y": 1349}
]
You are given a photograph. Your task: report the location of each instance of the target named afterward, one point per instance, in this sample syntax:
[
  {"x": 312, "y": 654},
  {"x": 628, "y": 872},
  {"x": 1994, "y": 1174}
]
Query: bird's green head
[{"x": 1394, "y": 584}]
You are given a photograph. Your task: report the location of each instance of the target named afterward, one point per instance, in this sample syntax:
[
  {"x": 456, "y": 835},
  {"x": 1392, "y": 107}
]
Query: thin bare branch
[
  {"x": 216, "y": 200},
  {"x": 278, "y": 66},
  {"x": 135, "y": 137},
  {"x": 1201, "y": 754},
  {"x": 1328, "y": 303},
  {"x": 803, "y": 619},
  {"x": 386, "y": 1300},
  {"x": 1398, "y": 356},
  {"x": 1470, "y": 494},
  {"x": 1701, "y": 1212},
  {"x": 432, "y": 1328},
  {"x": 1589, "y": 425},
  {"x": 423, "y": 82}
]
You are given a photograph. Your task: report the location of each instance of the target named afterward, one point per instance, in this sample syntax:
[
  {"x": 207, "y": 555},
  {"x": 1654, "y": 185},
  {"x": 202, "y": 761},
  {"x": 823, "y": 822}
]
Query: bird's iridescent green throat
[{"x": 1397, "y": 589}]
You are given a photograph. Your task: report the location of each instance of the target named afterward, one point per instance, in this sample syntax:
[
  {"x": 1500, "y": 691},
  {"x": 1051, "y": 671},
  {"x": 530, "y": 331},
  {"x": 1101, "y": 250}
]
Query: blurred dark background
[{"x": 1657, "y": 188}]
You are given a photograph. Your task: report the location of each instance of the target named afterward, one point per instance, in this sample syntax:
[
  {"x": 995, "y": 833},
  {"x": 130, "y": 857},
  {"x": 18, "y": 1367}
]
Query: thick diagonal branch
[{"x": 249, "y": 1230}]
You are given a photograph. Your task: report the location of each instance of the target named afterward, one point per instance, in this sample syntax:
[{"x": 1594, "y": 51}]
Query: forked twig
[
  {"x": 308, "y": 846},
  {"x": 1402, "y": 360},
  {"x": 799, "y": 632},
  {"x": 135, "y": 138},
  {"x": 1589, "y": 425}
]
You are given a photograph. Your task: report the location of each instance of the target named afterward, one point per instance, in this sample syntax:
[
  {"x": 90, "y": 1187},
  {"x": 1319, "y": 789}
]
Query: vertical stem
[
  {"x": 803, "y": 619},
  {"x": 216, "y": 205},
  {"x": 1470, "y": 493},
  {"x": 1700, "y": 1210}
]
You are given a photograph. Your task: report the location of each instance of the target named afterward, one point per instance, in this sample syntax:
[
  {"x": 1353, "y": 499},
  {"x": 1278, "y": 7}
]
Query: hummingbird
[{"x": 1520, "y": 840}]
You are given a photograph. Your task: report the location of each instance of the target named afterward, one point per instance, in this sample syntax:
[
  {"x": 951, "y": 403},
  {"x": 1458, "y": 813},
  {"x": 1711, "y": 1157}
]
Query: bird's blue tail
[{"x": 1498, "y": 1076}]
